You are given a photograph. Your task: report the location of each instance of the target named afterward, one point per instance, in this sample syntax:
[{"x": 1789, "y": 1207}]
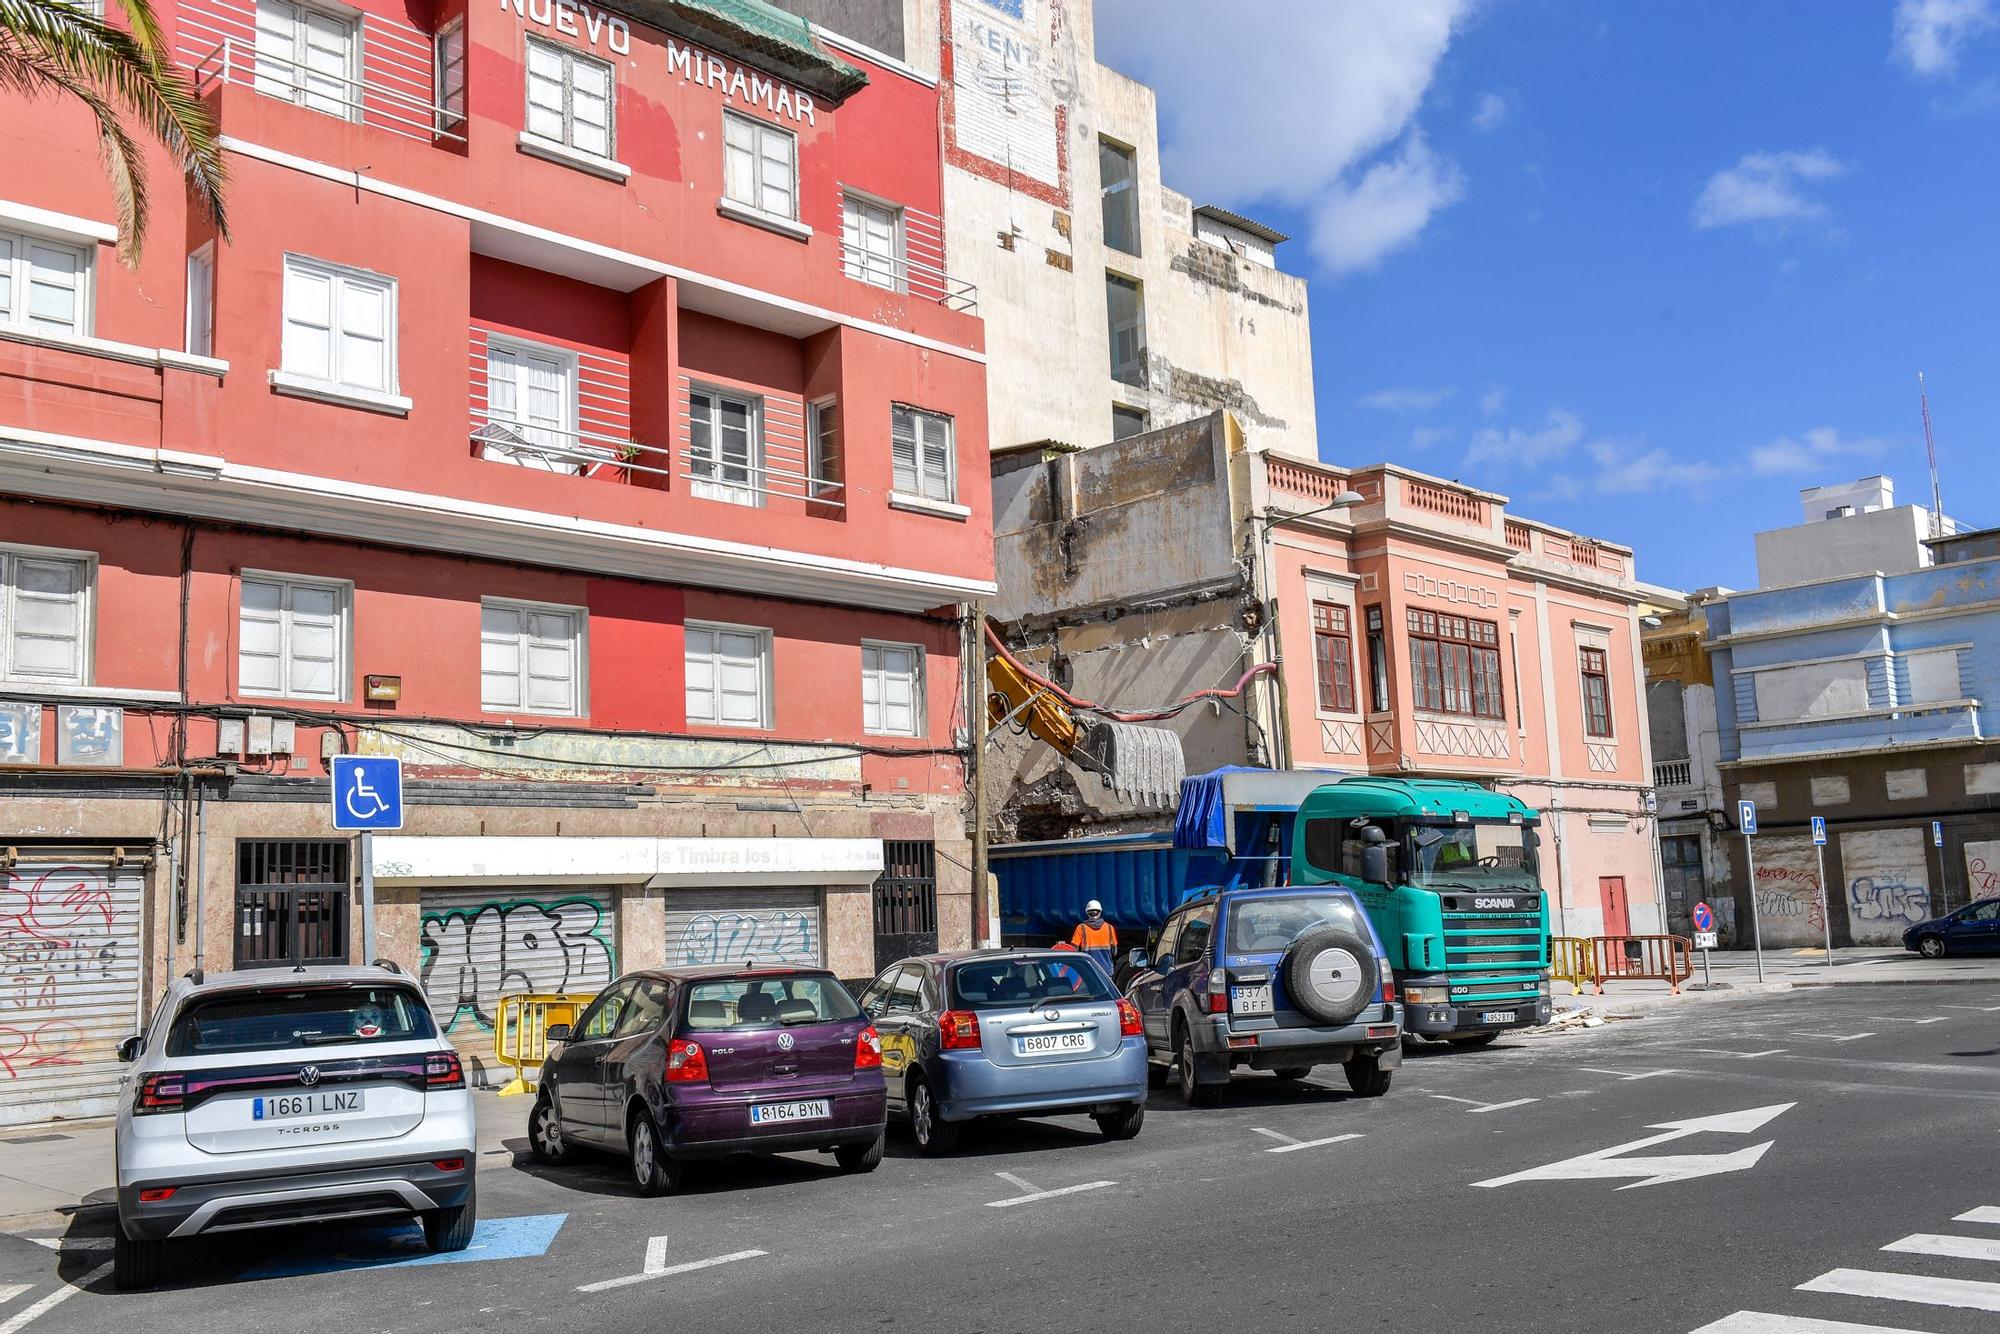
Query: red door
[{"x": 1611, "y": 894}]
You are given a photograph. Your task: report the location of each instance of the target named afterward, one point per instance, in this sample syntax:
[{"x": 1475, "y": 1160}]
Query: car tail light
[
  {"x": 687, "y": 1063},
  {"x": 448, "y": 1164},
  {"x": 161, "y": 1093},
  {"x": 1218, "y": 992},
  {"x": 154, "y": 1194},
  {"x": 1128, "y": 1020},
  {"x": 1388, "y": 989},
  {"x": 868, "y": 1050},
  {"x": 442, "y": 1070},
  {"x": 958, "y": 1030}
]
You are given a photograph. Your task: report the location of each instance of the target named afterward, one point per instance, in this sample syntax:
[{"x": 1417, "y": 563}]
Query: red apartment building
[{"x": 578, "y": 409}]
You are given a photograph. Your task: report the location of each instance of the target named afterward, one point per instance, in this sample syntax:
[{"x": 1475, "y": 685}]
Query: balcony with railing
[
  {"x": 367, "y": 69},
  {"x": 1673, "y": 774},
  {"x": 757, "y": 449},
  {"x": 557, "y": 410},
  {"x": 900, "y": 250}
]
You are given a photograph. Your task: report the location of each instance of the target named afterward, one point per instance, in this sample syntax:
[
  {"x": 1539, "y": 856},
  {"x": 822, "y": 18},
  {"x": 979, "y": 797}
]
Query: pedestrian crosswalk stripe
[
  {"x": 1761, "y": 1322},
  {"x": 1959, "y": 1248},
  {"x": 1908, "y": 1288},
  {"x": 1985, "y": 1213}
]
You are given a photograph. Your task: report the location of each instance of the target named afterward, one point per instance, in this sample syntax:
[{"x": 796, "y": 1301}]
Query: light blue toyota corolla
[{"x": 1007, "y": 1033}]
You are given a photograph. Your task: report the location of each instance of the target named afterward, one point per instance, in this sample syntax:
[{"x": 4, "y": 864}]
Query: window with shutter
[
  {"x": 292, "y": 637},
  {"x": 531, "y": 407},
  {"x": 1333, "y": 657},
  {"x": 1454, "y": 664},
  {"x": 760, "y": 166},
  {"x": 531, "y": 658},
  {"x": 340, "y": 325},
  {"x": 571, "y": 98},
  {"x": 448, "y": 66},
  {"x": 728, "y": 675},
  {"x": 823, "y": 447},
  {"x": 892, "y": 689},
  {"x": 922, "y": 457},
  {"x": 309, "y": 57},
  {"x": 44, "y": 617},
  {"x": 44, "y": 285},
  {"x": 201, "y": 301},
  {"x": 871, "y": 242},
  {"x": 1596, "y": 692},
  {"x": 726, "y": 447}
]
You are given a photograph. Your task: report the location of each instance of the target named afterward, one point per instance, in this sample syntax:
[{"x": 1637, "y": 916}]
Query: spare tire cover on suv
[{"x": 1330, "y": 974}]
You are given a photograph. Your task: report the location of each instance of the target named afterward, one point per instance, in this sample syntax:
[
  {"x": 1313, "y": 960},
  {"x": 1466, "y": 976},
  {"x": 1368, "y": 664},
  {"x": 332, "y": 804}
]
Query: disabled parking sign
[{"x": 367, "y": 792}]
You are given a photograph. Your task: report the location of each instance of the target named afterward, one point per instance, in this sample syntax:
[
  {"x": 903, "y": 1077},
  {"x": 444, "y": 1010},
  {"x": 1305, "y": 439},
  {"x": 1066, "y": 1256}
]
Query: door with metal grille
[
  {"x": 906, "y": 922},
  {"x": 291, "y": 902}
]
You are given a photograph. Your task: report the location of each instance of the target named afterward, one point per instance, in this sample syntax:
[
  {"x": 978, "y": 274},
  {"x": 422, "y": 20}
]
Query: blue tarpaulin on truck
[{"x": 1203, "y": 818}]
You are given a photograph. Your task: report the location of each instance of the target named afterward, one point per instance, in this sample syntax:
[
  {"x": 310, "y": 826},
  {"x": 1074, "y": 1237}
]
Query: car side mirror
[
  {"x": 559, "y": 1032},
  {"x": 129, "y": 1049},
  {"x": 1375, "y": 864},
  {"x": 1138, "y": 959}
]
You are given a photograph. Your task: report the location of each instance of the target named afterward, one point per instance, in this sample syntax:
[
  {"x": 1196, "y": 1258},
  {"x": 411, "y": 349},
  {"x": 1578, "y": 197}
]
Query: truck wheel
[
  {"x": 1330, "y": 975},
  {"x": 1366, "y": 1077},
  {"x": 135, "y": 1264},
  {"x": 1193, "y": 1091}
]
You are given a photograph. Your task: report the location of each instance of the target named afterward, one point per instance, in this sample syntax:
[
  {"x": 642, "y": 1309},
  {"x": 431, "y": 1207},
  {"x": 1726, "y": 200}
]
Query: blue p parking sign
[
  {"x": 1746, "y": 816},
  {"x": 367, "y": 792}
]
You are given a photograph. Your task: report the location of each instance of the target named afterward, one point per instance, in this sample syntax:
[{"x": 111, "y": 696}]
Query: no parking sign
[{"x": 1704, "y": 926}]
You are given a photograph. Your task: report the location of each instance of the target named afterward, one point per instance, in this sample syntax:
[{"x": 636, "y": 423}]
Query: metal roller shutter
[
  {"x": 481, "y": 944},
  {"x": 69, "y": 987},
  {"x": 740, "y": 925}
]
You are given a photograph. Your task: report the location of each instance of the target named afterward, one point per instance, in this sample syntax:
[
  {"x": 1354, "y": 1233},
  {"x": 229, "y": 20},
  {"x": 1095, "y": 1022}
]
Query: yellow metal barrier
[
  {"x": 1572, "y": 959},
  {"x": 521, "y": 1031}
]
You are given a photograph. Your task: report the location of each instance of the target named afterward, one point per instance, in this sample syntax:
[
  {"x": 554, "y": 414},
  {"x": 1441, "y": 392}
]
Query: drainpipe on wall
[
  {"x": 975, "y": 695},
  {"x": 200, "y": 870},
  {"x": 1562, "y": 861}
]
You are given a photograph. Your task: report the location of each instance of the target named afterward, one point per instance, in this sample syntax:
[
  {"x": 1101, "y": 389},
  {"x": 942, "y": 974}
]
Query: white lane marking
[
  {"x": 1282, "y": 1139},
  {"x": 1958, "y": 1292},
  {"x": 1833, "y": 1037},
  {"x": 1026, "y": 1188},
  {"x": 1985, "y": 1213},
  {"x": 1983, "y": 1009},
  {"x": 1762, "y": 1322},
  {"x": 53, "y": 1300},
  {"x": 1502, "y": 1106},
  {"x": 1958, "y": 1248},
  {"x": 1896, "y": 1019},
  {"x": 655, "y": 1251},
  {"x": 1314, "y": 1143},
  {"x": 1627, "y": 1074},
  {"x": 1745, "y": 1055},
  {"x": 1446, "y": 1097},
  {"x": 1605, "y": 1163},
  {"x": 12, "y": 1290},
  {"x": 1048, "y": 1194}
]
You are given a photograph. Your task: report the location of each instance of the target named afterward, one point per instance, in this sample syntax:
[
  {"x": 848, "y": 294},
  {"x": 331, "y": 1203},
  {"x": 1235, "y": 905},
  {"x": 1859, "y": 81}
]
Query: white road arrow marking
[
  {"x": 1605, "y": 1164},
  {"x": 657, "y": 1266},
  {"x": 53, "y": 1300},
  {"x": 1745, "y": 1055},
  {"x": 1627, "y": 1074},
  {"x": 9, "y": 1291},
  {"x": 1763, "y": 1322}
]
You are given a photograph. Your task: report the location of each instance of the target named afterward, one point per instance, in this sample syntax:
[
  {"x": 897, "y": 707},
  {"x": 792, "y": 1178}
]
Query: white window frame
[
  {"x": 765, "y": 675},
  {"x": 201, "y": 301},
  {"x": 823, "y": 447},
  {"x": 571, "y": 58},
  {"x": 17, "y": 266},
  {"x": 922, "y": 475},
  {"x": 891, "y": 272},
  {"x": 448, "y": 57},
  {"x": 760, "y": 187},
  {"x": 918, "y": 718},
  {"x": 341, "y": 280},
  {"x": 86, "y": 614},
  {"x": 579, "y": 646},
  {"x": 530, "y": 455},
  {"x": 291, "y": 82},
  {"x": 714, "y": 485},
  {"x": 343, "y": 662},
  {"x": 1136, "y": 326}
]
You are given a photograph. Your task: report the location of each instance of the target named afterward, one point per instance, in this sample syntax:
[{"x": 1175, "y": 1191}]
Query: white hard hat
[{"x": 1093, "y": 906}]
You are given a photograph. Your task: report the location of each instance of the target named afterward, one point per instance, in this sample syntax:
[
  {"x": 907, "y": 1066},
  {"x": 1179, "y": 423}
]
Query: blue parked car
[
  {"x": 1973, "y": 929},
  {"x": 1006, "y": 1033},
  {"x": 1278, "y": 979}
]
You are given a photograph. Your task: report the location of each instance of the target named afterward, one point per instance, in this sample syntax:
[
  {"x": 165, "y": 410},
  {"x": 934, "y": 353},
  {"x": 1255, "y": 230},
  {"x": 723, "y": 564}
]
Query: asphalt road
[{"x": 1286, "y": 1208}]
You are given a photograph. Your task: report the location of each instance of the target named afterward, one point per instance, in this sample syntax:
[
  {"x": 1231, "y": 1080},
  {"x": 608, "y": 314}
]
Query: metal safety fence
[
  {"x": 1571, "y": 960},
  {"x": 521, "y": 1031},
  {"x": 1668, "y": 959}
]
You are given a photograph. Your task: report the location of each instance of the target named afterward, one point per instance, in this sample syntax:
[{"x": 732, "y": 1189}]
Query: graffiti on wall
[
  {"x": 1790, "y": 907},
  {"x": 739, "y": 937},
  {"x": 62, "y": 934},
  {"x": 1888, "y": 883},
  {"x": 1982, "y": 869},
  {"x": 474, "y": 955}
]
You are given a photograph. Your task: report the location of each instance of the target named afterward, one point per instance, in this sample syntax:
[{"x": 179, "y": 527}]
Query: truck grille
[{"x": 1493, "y": 955}]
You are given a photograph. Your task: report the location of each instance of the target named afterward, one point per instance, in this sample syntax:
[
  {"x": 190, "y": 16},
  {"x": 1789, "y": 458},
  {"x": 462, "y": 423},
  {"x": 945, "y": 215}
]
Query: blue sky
[{"x": 1646, "y": 267}]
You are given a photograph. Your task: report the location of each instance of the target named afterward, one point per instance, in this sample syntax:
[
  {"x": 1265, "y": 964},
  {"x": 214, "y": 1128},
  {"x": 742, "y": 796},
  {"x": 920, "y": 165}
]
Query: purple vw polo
[{"x": 676, "y": 1064}]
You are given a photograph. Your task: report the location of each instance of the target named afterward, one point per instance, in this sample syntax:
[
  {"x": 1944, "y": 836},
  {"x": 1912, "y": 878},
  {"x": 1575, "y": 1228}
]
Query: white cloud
[
  {"x": 1494, "y": 401},
  {"x": 1491, "y": 113},
  {"x": 1811, "y": 451},
  {"x": 1311, "y": 106},
  {"x": 1767, "y": 189},
  {"x": 1929, "y": 34},
  {"x": 1405, "y": 399},
  {"x": 1624, "y": 469},
  {"x": 1425, "y": 436},
  {"x": 1518, "y": 447}
]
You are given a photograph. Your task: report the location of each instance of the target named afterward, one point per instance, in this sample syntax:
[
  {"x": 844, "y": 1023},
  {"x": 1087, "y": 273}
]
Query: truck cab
[{"x": 1449, "y": 874}]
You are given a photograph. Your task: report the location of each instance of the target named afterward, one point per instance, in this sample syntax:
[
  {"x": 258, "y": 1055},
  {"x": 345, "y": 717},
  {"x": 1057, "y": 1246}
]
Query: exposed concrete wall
[
  {"x": 1890, "y": 541},
  {"x": 1222, "y": 332}
]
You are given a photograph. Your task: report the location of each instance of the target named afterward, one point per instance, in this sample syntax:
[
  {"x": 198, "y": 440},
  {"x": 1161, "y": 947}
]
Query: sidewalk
[
  {"x": 1735, "y": 974},
  {"x": 52, "y": 1171}
]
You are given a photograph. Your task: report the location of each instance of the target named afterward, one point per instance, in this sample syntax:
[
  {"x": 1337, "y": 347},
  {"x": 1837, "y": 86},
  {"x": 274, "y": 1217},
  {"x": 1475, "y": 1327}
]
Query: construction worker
[{"x": 1095, "y": 936}]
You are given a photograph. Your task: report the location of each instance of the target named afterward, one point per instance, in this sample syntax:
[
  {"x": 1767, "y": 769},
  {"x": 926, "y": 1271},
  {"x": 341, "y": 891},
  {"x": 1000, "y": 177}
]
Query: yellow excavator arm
[{"x": 1032, "y": 708}]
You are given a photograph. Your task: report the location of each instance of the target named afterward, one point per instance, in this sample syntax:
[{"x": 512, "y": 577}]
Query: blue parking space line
[{"x": 333, "y": 1250}]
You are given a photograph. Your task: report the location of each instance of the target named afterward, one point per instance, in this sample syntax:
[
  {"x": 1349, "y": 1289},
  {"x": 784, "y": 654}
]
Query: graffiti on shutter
[
  {"x": 69, "y": 987},
  {"x": 736, "y": 926},
  {"x": 482, "y": 944}
]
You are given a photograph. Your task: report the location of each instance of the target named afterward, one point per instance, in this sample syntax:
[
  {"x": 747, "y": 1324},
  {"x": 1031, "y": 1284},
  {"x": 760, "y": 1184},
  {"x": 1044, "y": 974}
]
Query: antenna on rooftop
[{"x": 1930, "y": 452}]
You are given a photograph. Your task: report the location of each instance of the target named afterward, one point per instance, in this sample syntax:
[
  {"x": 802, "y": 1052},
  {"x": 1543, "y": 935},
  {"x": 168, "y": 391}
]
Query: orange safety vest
[{"x": 1101, "y": 937}]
